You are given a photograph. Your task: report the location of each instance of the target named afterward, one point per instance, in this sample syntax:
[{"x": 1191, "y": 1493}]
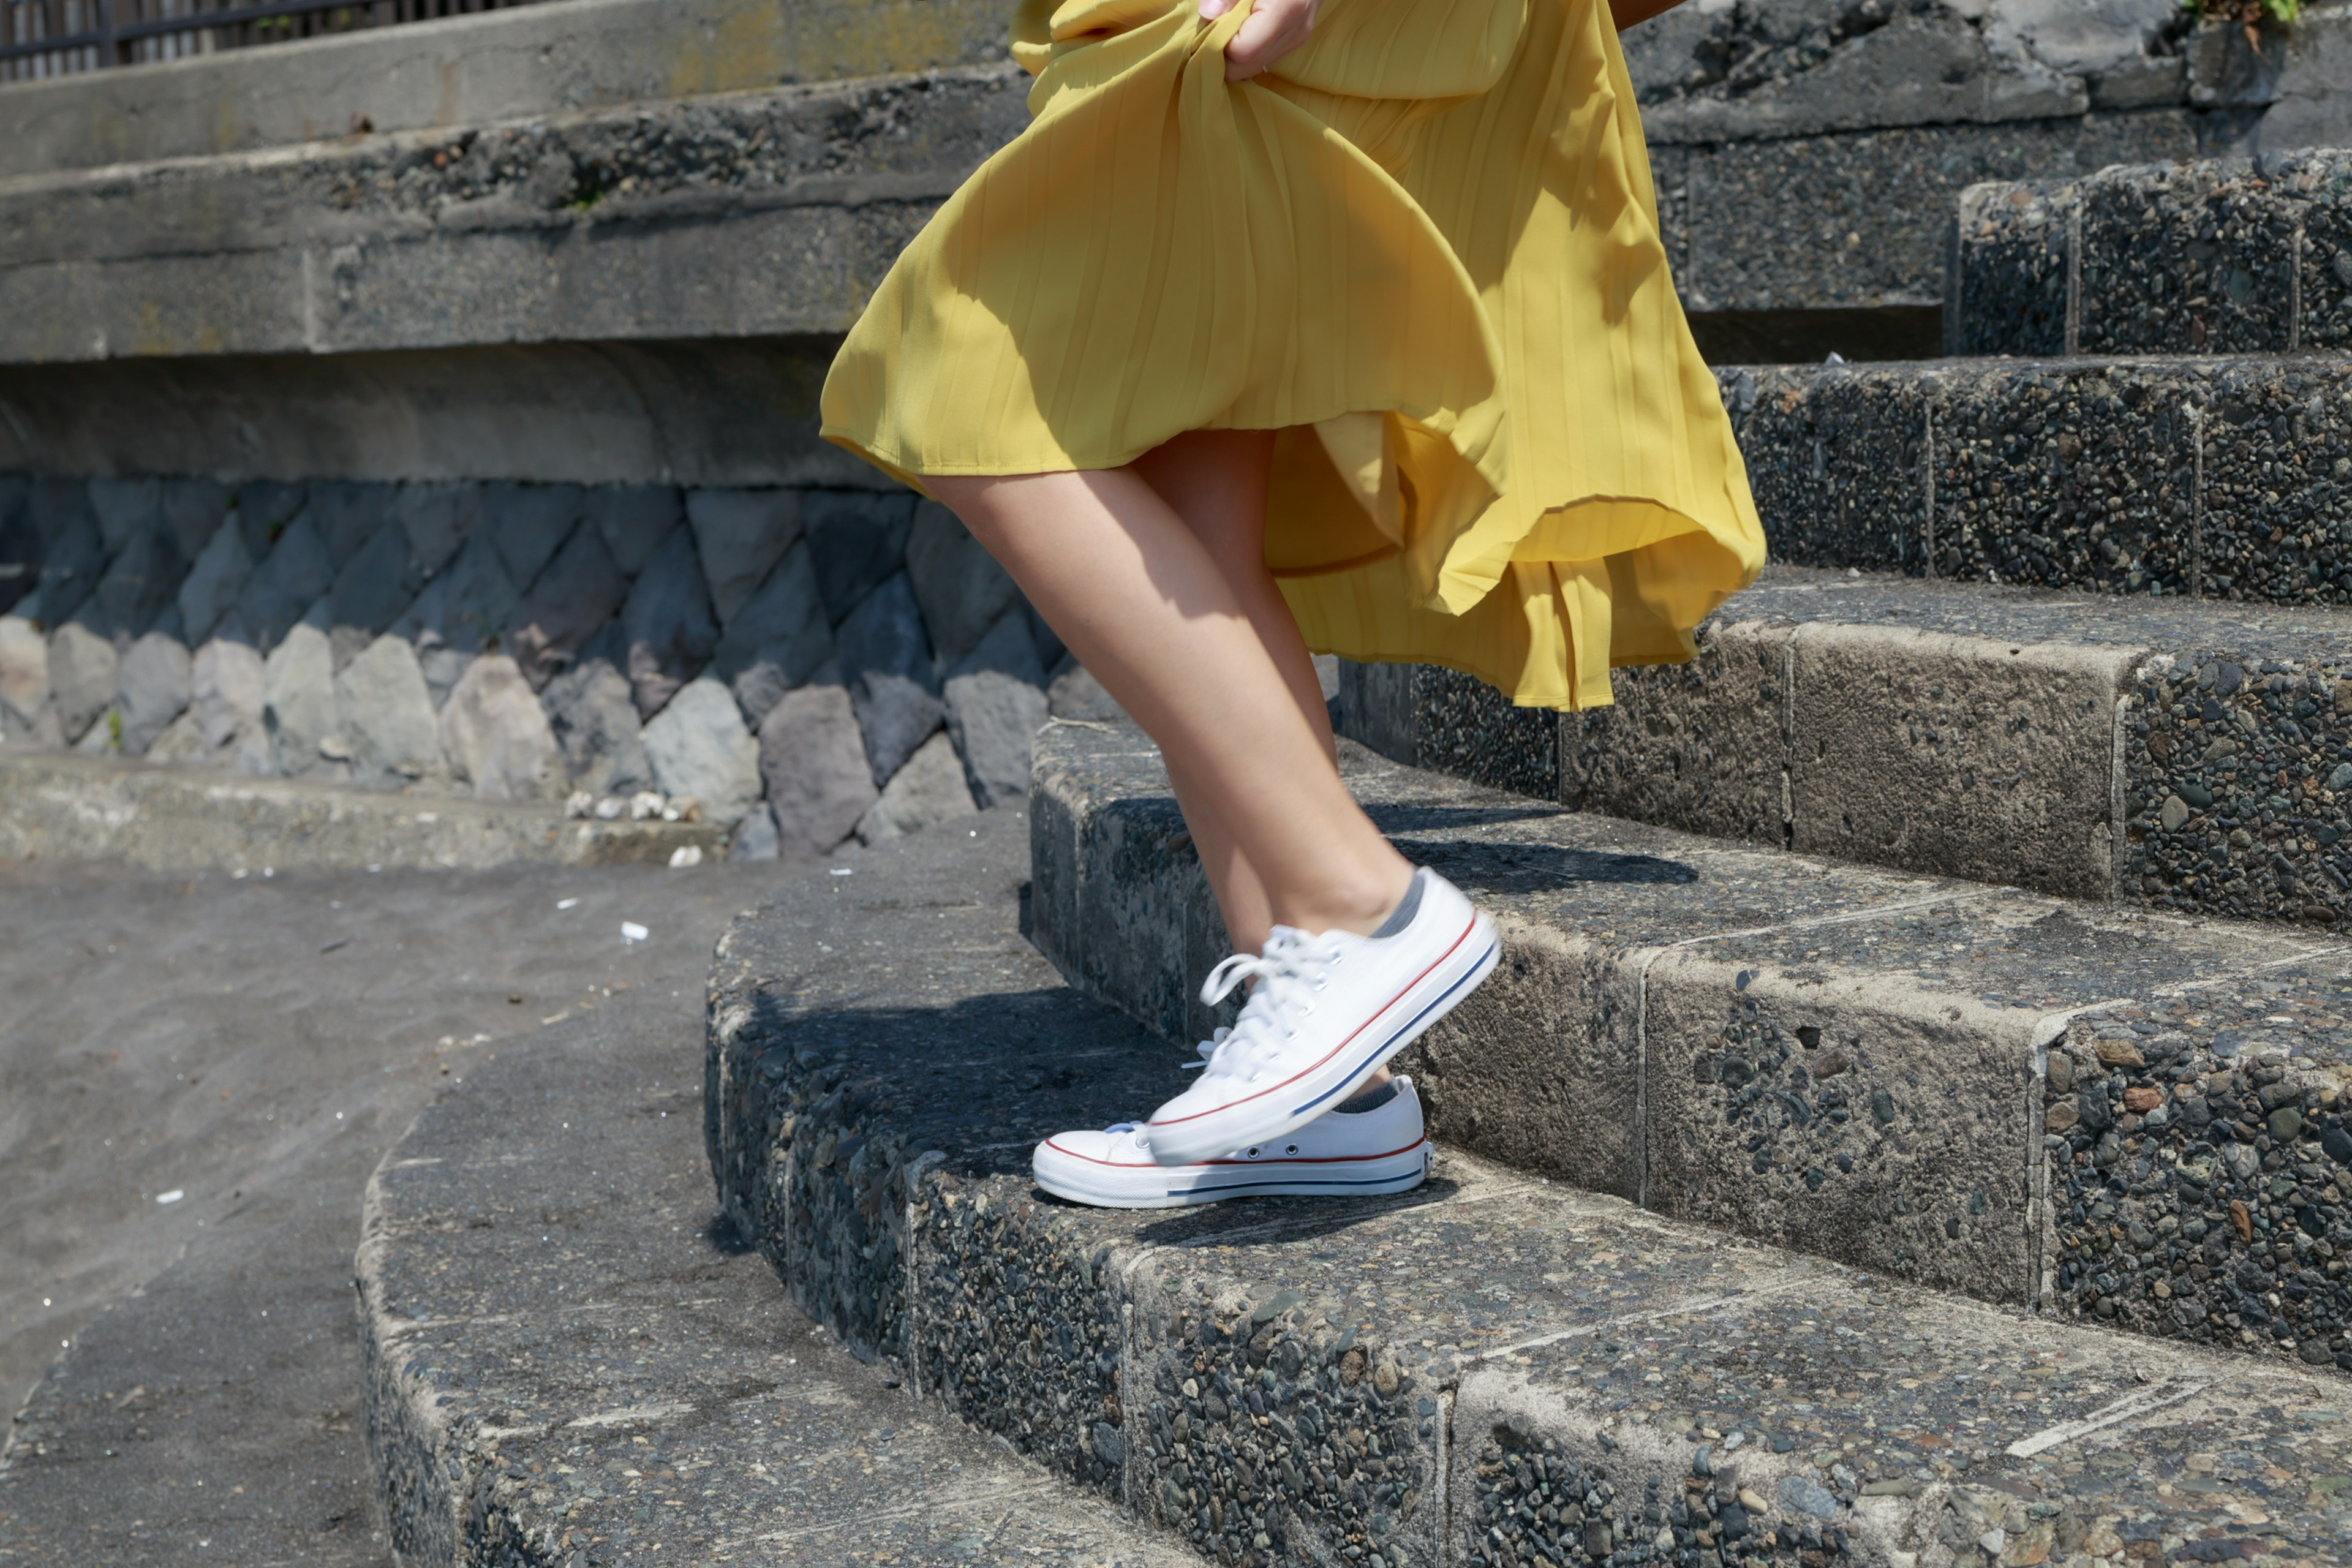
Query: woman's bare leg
[
  {"x": 1217, "y": 481},
  {"x": 1138, "y": 598}
]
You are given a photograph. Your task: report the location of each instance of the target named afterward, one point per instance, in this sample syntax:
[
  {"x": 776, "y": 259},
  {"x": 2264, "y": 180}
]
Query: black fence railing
[{"x": 59, "y": 37}]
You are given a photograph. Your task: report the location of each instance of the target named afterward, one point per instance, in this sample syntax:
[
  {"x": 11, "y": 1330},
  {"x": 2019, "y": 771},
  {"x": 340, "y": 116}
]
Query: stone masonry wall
[{"x": 799, "y": 666}]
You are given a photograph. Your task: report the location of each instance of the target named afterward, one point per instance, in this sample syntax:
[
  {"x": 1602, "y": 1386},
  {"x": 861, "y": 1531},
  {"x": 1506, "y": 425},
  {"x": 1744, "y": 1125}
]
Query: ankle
[{"x": 1358, "y": 906}]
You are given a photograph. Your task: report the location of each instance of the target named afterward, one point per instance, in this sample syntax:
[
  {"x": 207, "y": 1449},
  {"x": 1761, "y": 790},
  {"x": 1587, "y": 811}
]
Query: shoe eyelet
[
  {"x": 1250, "y": 1152},
  {"x": 1291, "y": 1148}
]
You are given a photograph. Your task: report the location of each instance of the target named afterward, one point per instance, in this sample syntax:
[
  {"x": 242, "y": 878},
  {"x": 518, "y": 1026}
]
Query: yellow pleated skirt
[{"x": 1423, "y": 248}]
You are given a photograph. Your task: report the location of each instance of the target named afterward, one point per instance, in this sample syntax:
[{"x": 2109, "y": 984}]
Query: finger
[
  {"x": 1213, "y": 9},
  {"x": 1260, "y": 42}
]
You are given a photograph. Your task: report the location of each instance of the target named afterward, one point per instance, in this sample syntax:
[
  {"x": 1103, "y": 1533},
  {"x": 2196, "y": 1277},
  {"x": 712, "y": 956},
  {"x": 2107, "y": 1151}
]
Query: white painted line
[{"x": 2128, "y": 1407}]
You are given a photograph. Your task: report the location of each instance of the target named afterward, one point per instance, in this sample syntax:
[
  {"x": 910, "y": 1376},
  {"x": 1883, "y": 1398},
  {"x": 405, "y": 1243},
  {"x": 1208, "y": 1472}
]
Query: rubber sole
[
  {"x": 1157, "y": 1187},
  {"x": 1391, "y": 1030}
]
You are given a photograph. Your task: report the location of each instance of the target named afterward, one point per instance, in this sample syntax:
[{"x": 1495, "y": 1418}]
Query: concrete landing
[
  {"x": 1493, "y": 1368},
  {"x": 568, "y": 1362},
  {"x": 177, "y": 819}
]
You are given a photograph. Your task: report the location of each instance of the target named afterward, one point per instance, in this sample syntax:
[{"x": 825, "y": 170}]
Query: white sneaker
[
  {"x": 1329, "y": 1010},
  {"x": 1344, "y": 1153}
]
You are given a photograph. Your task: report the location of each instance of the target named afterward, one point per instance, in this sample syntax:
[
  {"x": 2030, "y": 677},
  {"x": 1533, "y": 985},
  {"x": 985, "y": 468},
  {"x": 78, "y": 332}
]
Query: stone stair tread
[
  {"x": 1982, "y": 1089},
  {"x": 1311, "y": 1380},
  {"x": 544, "y": 1307},
  {"x": 2001, "y": 612},
  {"x": 2092, "y": 745}
]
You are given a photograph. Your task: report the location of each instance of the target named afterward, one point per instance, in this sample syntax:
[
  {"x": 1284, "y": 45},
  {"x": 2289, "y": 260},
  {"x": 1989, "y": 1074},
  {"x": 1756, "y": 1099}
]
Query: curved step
[
  {"x": 568, "y": 1364},
  {"x": 1494, "y": 1368}
]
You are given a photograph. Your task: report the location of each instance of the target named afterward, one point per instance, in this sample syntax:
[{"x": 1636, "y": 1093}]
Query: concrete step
[
  {"x": 2230, "y": 256},
  {"x": 2182, "y": 755},
  {"x": 57, "y": 806},
  {"x": 2217, "y": 479},
  {"x": 568, "y": 1364},
  {"x": 2092, "y": 1112},
  {"x": 1495, "y": 1368}
]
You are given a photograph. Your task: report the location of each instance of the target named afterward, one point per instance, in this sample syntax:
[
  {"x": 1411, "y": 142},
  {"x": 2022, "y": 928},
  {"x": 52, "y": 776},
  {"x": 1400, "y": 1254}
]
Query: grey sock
[
  {"x": 1370, "y": 1100},
  {"x": 1405, "y": 911}
]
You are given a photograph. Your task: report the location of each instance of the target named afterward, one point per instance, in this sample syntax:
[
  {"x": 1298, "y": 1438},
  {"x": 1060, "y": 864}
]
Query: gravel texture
[
  {"x": 1846, "y": 1061},
  {"x": 2230, "y": 256},
  {"x": 2185, "y": 755},
  {"x": 1491, "y": 1369}
]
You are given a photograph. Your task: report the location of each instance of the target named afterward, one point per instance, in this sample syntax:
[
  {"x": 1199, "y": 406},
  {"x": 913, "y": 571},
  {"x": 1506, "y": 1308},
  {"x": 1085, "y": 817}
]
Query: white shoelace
[{"x": 1291, "y": 970}]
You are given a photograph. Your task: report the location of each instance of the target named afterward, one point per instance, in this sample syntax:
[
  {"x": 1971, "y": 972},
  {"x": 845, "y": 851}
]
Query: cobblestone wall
[{"x": 798, "y": 665}]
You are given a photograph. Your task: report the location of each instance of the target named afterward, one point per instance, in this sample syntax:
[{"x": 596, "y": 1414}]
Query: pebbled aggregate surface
[{"x": 1492, "y": 1369}]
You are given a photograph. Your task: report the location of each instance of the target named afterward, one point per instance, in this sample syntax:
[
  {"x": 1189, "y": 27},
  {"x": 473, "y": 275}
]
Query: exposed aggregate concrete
[
  {"x": 2228, "y": 255},
  {"x": 1490, "y": 1370}
]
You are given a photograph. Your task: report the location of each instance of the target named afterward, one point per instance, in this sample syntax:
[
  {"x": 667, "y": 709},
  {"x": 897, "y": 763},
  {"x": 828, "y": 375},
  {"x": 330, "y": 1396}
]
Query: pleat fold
[{"x": 1425, "y": 249}]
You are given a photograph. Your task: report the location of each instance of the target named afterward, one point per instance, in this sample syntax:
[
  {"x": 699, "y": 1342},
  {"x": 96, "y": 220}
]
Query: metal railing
[{"x": 60, "y": 38}]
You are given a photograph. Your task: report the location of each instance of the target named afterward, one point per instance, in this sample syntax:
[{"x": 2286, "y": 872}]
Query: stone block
[
  {"x": 2220, "y": 255},
  {"x": 855, "y": 539},
  {"x": 83, "y": 670},
  {"x": 740, "y": 535},
  {"x": 140, "y": 585},
  {"x": 347, "y": 515},
  {"x": 376, "y": 584},
  {"x": 698, "y": 747},
  {"x": 632, "y": 520},
  {"x": 754, "y": 838},
  {"x": 125, "y": 509},
  {"x": 385, "y": 716},
  {"x": 495, "y": 737},
  {"x": 812, "y": 759},
  {"x": 71, "y": 563},
  {"x": 778, "y": 638},
  {"x": 667, "y": 620},
  {"x": 20, "y": 543},
  {"x": 228, "y": 694},
  {"x": 2013, "y": 742},
  {"x": 464, "y": 606},
  {"x": 2274, "y": 445},
  {"x": 437, "y": 519},
  {"x": 926, "y": 792},
  {"x": 579, "y": 591},
  {"x": 214, "y": 582},
  {"x": 962, "y": 589},
  {"x": 264, "y": 509},
  {"x": 182, "y": 745},
  {"x": 528, "y": 524},
  {"x": 2225, "y": 1119},
  {"x": 1463, "y": 726},
  {"x": 1703, "y": 746},
  {"x": 995, "y": 700},
  {"x": 285, "y": 583},
  {"x": 24, "y": 669},
  {"x": 1839, "y": 464},
  {"x": 190, "y": 511},
  {"x": 886, "y": 658},
  {"x": 298, "y": 714},
  {"x": 594, "y": 719},
  {"x": 152, "y": 691}
]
